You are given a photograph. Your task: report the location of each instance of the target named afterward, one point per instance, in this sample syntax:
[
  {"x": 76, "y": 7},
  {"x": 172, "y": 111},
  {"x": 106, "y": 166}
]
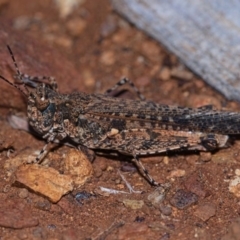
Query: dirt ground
[{"x": 89, "y": 49}]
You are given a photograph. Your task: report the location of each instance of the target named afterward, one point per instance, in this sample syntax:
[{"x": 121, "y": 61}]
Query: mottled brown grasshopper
[{"x": 131, "y": 127}]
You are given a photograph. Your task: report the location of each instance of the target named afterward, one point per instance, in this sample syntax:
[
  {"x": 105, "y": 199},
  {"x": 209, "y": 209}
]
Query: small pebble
[
  {"x": 165, "y": 74},
  {"x": 117, "y": 182},
  {"x": 156, "y": 197},
  {"x": 109, "y": 169},
  {"x": 234, "y": 186},
  {"x": 128, "y": 168},
  {"x": 81, "y": 196},
  {"x": 177, "y": 173},
  {"x": 165, "y": 236},
  {"x": 97, "y": 171},
  {"x": 133, "y": 204},
  {"x": 205, "y": 211},
  {"x": 181, "y": 73},
  {"x": 76, "y": 26},
  {"x": 205, "y": 156},
  {"x": 65, "y": 8},
  {"x": 88, "y": 78},
  {"x": 183, "y": 199},
  {"x": 63, "y": 41},
  {"x": 166, "y": 160},
  {"x": 23, "y": 193},
  {"x": 108, "y": 58},
  {"x": 139, "y": 219},
  {"x": 6, "y": 188},
  {"x": 165, "y": 210},
  {"x": 22, "y": 22},
  {"x": 101, "y": 163},
  {"x": 51, "y": 227},
  {"x": 44, "y": 205},
  {"x": 237, "y": 172}
]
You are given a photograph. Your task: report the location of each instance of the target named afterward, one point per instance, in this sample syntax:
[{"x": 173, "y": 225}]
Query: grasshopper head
[
  {"x": 41, "y": 108},
  {"x": 38, "y": 91}
]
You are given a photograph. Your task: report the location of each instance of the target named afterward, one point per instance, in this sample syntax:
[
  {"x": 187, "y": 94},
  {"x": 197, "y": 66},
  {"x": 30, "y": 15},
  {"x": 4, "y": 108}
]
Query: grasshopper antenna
[
  {"x": 14, "y": 61},
  {"x": 14, "y": 85},
  {"x": 18, "y": 74}
]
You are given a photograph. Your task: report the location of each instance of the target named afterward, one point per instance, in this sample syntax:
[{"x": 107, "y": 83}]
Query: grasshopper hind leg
[
  {"x": 122, "y": 82},
  {"x": 145, "y": 172}
]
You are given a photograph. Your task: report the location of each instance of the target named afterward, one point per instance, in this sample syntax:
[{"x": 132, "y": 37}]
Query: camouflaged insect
[{"x": 131, "y": 127}]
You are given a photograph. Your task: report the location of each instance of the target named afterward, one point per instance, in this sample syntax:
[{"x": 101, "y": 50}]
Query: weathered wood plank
[{"x": 204, "y": 34}]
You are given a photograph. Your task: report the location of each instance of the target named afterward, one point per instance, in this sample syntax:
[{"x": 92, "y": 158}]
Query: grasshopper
[{"x": 130, "y": 127}]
